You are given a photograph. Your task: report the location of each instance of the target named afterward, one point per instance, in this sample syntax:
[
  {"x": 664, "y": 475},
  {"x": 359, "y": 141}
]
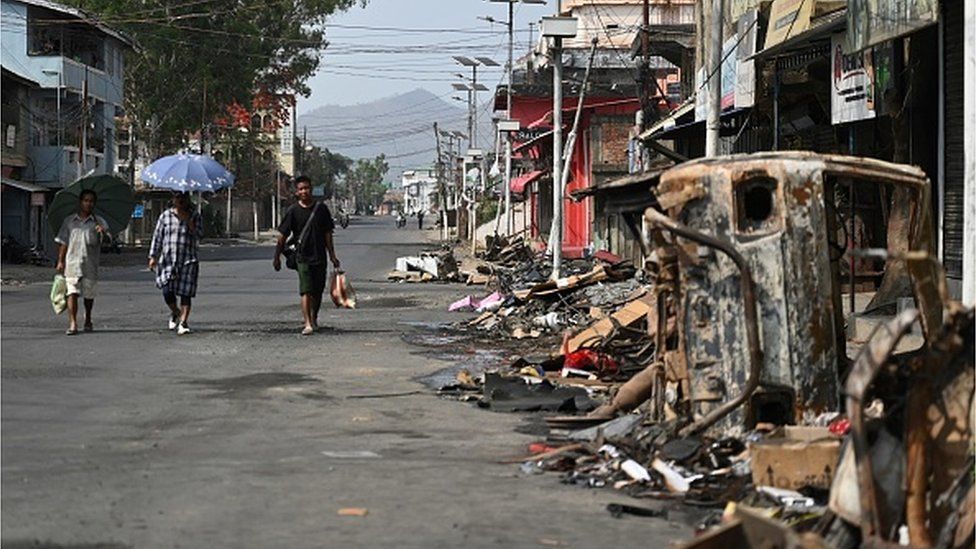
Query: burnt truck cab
[{"x": 746, "y": 252}]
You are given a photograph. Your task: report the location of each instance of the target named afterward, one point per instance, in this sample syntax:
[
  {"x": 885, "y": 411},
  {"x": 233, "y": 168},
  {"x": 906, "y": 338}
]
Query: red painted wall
[{"x": 576, "y": 215}]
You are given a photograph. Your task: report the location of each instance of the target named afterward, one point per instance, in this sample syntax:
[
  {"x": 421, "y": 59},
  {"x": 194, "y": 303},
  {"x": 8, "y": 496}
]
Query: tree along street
[{"x": 245, "y": 434}]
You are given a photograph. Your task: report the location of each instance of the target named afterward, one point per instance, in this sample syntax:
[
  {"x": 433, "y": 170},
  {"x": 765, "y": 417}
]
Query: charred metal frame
[
  {"x": 787, "y": 282},
  {"x": 748, "y": 287}
]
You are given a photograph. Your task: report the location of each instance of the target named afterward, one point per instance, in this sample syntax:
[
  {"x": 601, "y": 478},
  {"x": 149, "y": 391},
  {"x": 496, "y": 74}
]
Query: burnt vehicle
[{"x": 751, "y": 257}]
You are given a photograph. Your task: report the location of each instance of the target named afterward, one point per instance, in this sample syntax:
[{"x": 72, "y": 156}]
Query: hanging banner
[
  {"x": 701, "y": 95},
  {"x": 745, "y": 73},
  {"x": 288, "y": 132},
  {"x": 870, "y": 22},
  {"x": 882, "y": 64},
  {"x": 852, "y": 84},
  {"x": 730, "y": 62}
]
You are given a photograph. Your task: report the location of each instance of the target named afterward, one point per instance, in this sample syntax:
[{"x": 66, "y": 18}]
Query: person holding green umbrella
[
  {"x": 81, "y": 215},
  {"x": 79, "y": 243}
]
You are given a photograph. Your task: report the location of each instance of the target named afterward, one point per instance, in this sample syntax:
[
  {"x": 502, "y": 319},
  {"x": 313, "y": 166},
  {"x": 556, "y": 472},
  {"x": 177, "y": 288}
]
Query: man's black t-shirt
[{"x": 312, "y": 250}]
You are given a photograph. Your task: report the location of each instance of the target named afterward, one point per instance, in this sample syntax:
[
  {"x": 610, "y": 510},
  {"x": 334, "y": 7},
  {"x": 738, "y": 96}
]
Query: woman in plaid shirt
[{"x": 173, "y": 255}]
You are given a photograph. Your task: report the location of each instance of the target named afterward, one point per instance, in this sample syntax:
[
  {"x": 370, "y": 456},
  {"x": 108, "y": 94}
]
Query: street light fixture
[{"x": 557, "y": 28}]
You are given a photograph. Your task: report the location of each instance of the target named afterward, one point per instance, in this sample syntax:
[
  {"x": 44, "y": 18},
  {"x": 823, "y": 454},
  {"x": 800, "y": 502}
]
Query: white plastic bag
[{"x": 59, "y": 294}]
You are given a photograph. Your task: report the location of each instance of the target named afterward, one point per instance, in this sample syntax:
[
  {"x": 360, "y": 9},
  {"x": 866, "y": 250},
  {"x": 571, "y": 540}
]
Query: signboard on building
[
  {"x": 288, "y": 132},
  {"x": 139, "y": 211},
  {"x": 701, "y": 94},
  {"x": 870, "y": 22},
  {"x": 745, "y": 72},
  {"x": 37, "y": 199},
  {"x": 730, "y": 62},
  {"x": 787, "y": 18},
  {"x": 852, "y": 95}
]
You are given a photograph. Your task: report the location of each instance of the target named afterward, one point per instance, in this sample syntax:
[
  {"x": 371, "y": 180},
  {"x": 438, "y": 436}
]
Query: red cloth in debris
[
  {"x": 588, "y": 359},
  {"x": 839, "y": 427}
]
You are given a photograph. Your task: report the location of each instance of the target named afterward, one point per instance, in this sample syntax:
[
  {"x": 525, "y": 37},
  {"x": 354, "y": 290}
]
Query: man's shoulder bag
[{"x": 291, "y": 251}]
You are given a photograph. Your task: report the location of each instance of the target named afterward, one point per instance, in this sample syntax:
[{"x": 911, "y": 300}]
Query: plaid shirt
[{"x": 173, "y": 245}]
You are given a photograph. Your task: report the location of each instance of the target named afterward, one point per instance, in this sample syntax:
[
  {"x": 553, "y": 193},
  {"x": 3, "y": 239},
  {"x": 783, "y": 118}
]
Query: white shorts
[{"x": 86, "y": 287}]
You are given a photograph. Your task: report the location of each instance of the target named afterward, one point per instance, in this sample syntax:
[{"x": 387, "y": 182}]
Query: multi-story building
[
  {"x": 614, "y": 95},
  {"x": 65, "y": 73},
  {"x": 419, "y": 190}
]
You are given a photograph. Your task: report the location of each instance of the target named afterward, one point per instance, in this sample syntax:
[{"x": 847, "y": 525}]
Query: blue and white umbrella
[{"x": 187, "y": 173}]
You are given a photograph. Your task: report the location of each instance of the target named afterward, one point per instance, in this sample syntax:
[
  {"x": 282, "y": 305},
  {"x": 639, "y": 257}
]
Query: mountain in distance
[{"x": 399, "y": 126}]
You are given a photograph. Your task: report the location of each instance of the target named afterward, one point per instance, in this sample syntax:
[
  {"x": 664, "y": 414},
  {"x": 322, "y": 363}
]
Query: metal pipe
[{"x": 748, "y": 288}]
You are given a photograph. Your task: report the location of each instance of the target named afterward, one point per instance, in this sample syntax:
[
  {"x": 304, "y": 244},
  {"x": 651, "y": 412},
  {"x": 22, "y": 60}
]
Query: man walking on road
[
  {"x": 308, "y": 226},
  {"x": 79, "y": 244},
  {"x": 420, "y": 219}
]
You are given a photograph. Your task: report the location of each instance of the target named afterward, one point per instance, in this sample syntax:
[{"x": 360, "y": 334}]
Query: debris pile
[
  {"x": 432, "y": 265},
  {"x": 722, "y": 376},
  {"x": 868, "y": 474}
]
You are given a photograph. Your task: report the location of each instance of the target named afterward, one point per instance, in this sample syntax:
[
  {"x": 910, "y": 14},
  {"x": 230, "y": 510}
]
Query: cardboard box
[{"x": 794, "y": 457}]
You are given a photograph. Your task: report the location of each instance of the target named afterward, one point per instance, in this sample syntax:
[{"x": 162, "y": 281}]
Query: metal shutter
[{"x": 953, "y": 21}]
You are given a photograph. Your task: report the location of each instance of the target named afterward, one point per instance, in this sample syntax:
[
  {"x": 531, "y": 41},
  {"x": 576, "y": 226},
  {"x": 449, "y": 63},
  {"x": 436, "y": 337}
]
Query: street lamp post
[
  {"x": 473, "y": 90},
  {"x": 557, "y": 28}
]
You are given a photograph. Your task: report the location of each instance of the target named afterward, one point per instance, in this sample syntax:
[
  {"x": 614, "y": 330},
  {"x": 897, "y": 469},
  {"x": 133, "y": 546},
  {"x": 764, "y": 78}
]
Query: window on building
[{"x": 54, "y": 33}]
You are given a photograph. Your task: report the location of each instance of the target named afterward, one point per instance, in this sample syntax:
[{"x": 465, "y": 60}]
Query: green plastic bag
[{"x": 59, "y": 294}]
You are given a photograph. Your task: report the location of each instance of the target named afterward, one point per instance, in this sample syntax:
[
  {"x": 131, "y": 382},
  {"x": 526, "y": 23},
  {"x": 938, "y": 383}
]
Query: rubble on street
[
  {"x": 431, "y": 265},
  {"x": 717, "y": 375}
]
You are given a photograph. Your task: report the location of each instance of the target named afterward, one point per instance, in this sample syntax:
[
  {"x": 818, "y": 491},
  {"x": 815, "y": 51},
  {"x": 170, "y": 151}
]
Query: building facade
[{"x": 62, "y": 88}]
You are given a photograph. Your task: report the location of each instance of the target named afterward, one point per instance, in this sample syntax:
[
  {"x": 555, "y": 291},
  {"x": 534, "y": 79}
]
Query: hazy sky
[{"x": 394, "y": 46}]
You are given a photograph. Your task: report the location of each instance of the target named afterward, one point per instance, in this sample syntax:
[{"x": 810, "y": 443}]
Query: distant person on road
[
  {"x": 308, "y": 225},
  {"x": 173, "y": 255},
  {"x": 420, "y": 219},
  {"x": 79, "y": 245}
]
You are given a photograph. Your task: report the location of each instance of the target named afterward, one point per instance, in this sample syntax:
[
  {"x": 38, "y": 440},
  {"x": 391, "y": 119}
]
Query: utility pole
[
  {"x": 441, "y": 190},
  {"x": 645, "y": 63},
  {"x": 508, "y": 115},
  {"x": 714, "y": 75},
  {"x": 82, "y": 153},
  {"x": 301, "y": 149}
]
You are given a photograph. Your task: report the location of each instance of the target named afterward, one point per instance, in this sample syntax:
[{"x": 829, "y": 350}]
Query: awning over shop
[
  {"x": 682, "y": 114},
  {"x": 820, "y": 30},
  {"x": 729, "y": 120},
  {"x": 24, "y": 186},
  {"x": 629, "y": 194},
  {"x": 519, "y": 183}
]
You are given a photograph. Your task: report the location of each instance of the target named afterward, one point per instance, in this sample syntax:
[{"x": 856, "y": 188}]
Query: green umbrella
[{"x": 115, "y": 202}]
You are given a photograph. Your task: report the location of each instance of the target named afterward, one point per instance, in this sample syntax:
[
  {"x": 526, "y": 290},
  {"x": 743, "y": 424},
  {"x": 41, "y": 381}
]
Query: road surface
[{"x": 245, "y": 434}]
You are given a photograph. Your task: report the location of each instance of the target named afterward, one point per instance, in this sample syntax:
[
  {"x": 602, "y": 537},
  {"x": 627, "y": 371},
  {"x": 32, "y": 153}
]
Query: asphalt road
[{"x": 244, "y": 434}]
